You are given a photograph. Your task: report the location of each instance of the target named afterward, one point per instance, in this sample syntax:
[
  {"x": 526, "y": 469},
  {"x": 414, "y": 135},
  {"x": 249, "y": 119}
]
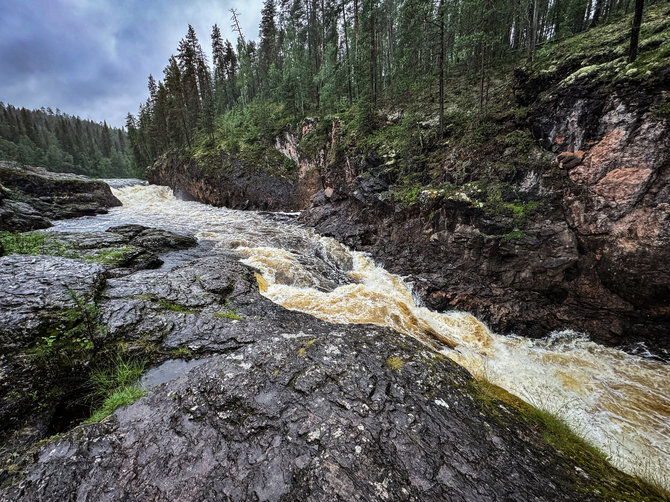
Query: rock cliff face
[
  {"x": 241, "y": 186},
  {"x": 591, "y": 254},
  {"x": 592, "y": 257},
  {"x": 282, "y": 407},
  {"x": 30, "y": 196}
]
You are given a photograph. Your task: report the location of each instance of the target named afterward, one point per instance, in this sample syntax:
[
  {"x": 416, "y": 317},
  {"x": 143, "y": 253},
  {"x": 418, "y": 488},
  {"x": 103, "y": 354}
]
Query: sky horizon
[{"x": 92, "y": 58}]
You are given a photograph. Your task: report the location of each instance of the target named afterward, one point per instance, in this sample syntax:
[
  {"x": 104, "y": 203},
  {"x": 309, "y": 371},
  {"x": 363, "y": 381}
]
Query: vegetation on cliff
[{"x": 408, "y": 79}]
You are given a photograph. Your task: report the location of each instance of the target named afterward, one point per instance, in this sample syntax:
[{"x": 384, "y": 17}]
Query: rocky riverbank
[
  {"x": 279, "y": 406},
  {"x": 31, "y": 196},
  {"x": 554, "y": 216}
]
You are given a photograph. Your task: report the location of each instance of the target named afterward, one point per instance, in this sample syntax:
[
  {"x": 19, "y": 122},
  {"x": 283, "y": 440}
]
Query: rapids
[{"x": 617, "y": 401}]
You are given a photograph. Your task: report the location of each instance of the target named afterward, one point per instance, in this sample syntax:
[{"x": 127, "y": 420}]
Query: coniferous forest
[
  {"x": 352, "y": 58},
  {"x": 64, "y": 143}
]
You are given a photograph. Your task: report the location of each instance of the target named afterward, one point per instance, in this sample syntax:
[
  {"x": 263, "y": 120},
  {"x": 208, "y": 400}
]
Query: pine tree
[
  {"x": 267, "y": 52},
  {"x": 187, "y": 56},
  {"x": 220, "y": 73}
]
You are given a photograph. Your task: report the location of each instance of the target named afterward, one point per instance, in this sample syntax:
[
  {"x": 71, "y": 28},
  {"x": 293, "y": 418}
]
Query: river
[{"x": 617, "y": 401}]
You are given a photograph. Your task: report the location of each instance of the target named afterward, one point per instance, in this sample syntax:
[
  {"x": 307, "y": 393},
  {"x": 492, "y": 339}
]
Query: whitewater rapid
[{"x": 617, "y": 401}]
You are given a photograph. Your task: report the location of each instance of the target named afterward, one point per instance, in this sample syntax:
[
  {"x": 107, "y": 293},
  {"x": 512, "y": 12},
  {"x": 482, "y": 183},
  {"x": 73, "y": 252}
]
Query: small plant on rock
[{"x": 115, "y": 384}]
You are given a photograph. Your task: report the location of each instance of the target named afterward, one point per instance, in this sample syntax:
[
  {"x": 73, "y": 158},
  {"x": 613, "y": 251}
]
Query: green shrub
[{"x": 70, "y": 333}]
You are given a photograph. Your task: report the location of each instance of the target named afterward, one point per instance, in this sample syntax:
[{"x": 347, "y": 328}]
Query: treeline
[
  {"x": 326, "y": 56},
  {"x": 64, "y": 143}
]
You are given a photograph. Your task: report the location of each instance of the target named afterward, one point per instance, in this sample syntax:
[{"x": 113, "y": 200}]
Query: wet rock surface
[
  {"x": 31, "y": 196},
  {"x": 35, "y": 292},
  {"x": 122, "y": 249},
  {"x": 35, "y": 287},
  {"x": 305, "y": 417},
  {"x": 50, "y": 331},
  {"x": 284, "y": 407},
  {"x": 209, "y": 305}
]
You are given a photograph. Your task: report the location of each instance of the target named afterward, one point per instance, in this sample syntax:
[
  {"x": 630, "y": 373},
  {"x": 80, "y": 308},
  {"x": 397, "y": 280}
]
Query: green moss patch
[
  {"x": 109, "y": 256},
  {"x": 395, "y": 363},
  {"x": 597, "y": 476},
  {"x": 601, "y": 53},
  {"x": 33, "y": 243},
  {"x": 231, "y": 314},
  {"x": 166, "y": 304}
]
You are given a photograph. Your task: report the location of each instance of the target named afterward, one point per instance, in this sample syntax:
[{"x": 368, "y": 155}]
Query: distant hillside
[{"x": 64, "y": 143}]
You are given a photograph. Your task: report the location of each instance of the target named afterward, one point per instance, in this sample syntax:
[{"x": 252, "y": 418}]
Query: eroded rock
[
  {"x": 30, "y": 196},
  {"x": 308, "y": 417}
]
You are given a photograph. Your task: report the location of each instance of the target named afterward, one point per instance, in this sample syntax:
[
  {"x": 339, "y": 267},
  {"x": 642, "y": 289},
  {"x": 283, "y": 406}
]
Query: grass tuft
[
  {"x": 114, "y": 385},
  {"x": 122, "y": 397}
]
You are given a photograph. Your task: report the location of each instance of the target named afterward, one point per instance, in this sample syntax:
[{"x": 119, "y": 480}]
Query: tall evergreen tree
[{"x": 267, "y": 52}]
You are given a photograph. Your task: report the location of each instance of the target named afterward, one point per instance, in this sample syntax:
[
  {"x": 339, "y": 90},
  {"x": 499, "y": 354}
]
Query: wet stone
[
  {"x": 281, "y": 407},
  {"x": 281, "y": 419},
  {"x": 33, "y": 287}
]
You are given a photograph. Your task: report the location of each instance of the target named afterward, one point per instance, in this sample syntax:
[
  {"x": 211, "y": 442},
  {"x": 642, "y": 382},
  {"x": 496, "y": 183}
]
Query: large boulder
[{"x": 32, "y": 195}]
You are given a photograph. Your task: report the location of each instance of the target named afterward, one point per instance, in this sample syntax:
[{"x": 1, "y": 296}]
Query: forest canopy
[
  {"x": 64, "y": 143},
  {"x": 335, "y": 56}
]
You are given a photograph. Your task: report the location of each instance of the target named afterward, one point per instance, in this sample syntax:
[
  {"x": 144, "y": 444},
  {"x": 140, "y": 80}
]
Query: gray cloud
[{"x": 92, "y": 57}]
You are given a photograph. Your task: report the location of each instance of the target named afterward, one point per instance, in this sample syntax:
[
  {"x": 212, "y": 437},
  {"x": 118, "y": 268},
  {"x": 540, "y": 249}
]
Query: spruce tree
[{"x": 268, "y": 38}]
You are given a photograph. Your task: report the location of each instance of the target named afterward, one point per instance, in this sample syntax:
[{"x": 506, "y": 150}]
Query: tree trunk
[
  {"x": 532, "y": 42},
  {"x": 635, "y": 33},
  {"x": 596, "y": 13},
  {"x": 373, "y": 58},
  {"x": 586, "y": 15},
  {"x": 346, "y": 47},
  {"x": 441, "y": 11},
  {"x": 356, "y": 20}
]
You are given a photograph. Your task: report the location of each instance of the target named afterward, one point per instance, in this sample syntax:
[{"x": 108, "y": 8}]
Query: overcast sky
[{"x": 92, "y": 57}]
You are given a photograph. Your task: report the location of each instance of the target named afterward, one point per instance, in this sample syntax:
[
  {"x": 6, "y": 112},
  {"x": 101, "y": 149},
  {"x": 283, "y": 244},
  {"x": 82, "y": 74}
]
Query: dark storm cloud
[{"x": 92, "y": 57}]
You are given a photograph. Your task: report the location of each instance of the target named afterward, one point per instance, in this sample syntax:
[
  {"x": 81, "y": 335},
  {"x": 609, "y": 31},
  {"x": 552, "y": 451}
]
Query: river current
[{"x": 617, "y": 401}]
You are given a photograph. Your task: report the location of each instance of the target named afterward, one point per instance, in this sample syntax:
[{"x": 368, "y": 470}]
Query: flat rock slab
[
  {"x": 300, "y": 418},
  {"x": 33, "y": 287}
]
